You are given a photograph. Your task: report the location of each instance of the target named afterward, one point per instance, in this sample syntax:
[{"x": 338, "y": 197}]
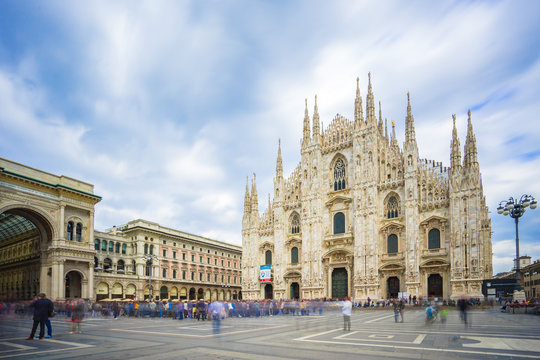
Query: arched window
[
  {"x": 70, "y": 230},
  {"x": 339, "y": 223},
  {"x": 79, "y": 232},
  {"x": 339, "y": 175},
  {"x": 294, "y": 255},
  {"x": 96, "y": 244},
  {"x": 434, "y": 239},
  {"x": 104, "y": 245},
  {"x": 151, "y": 249},
  {"x": 111, "y": 246},
  {"x": 124, "y": 249},
  {"x": 145, "y": 249},
  {"x": 295, "y": 224},
  {"x": 120, "y": 265},
  {"x": 268, "y": 257},
  {"x": 392, "y": 208},
  {"x": 392, "y": 244},
  {"x": 117, "y": 248}
]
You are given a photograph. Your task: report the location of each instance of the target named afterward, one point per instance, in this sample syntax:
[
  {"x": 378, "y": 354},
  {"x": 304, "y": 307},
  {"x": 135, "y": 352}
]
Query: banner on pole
[{"x": 266, "y": 275}]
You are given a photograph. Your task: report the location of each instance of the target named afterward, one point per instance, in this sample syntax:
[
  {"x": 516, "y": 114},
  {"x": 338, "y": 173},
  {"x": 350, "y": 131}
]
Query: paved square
[{"x": 374, "y": 334}]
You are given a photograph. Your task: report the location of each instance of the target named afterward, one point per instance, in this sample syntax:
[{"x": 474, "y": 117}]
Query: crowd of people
[{"x": 76, "y": 310}]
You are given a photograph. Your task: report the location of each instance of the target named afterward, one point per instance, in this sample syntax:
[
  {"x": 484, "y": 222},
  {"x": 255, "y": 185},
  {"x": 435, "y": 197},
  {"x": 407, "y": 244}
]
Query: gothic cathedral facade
[{"x": 362, "y": 217}]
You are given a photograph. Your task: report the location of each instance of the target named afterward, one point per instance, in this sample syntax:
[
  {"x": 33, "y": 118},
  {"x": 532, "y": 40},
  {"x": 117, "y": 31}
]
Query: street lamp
[
  {"x": 149, "y": 261},
  {"x": 516, "y": 209}
]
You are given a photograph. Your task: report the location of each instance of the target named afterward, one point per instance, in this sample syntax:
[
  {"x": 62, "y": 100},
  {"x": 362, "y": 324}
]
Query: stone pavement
[{"x": 374, "y": 334}]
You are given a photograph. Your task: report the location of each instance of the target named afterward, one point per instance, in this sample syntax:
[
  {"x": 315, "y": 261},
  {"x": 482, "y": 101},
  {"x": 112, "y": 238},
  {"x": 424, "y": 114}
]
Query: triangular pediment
[
  {"x": 433, "y": 218},
  {"x": 337, "y": 198}
]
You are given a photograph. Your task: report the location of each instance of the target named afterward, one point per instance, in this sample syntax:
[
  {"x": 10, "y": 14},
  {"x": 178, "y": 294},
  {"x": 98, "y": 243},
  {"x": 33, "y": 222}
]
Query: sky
[{"x": 167, "y": 106}]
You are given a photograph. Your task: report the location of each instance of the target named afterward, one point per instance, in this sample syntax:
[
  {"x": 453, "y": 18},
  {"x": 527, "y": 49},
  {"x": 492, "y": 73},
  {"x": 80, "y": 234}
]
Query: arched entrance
[
  {"x": 192, "y": 294},
  {"x": 163, "y": 293},
  {"x": 102, "y": 291},
  {"x": 268, "y": 291},
  {"x": 435, "y": 286},
  {"x": 392, "y": 286},
  {"x": 23, "y": 235},
  {"x": 340, "y": 284},
  {"x": 295, "y": 291},
  {"x": 73, "y": 284},
  {"x": 200, "y": 294}
]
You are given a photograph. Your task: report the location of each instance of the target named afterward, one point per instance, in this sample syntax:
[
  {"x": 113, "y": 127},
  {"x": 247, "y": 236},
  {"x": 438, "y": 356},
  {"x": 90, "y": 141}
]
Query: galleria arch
[{"x": 46, "y": 227}]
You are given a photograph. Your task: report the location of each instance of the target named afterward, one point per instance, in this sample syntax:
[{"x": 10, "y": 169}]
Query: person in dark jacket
[{"x": 43, "y": 307}]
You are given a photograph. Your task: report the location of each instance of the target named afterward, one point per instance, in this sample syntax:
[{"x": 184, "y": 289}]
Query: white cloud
[{"x": 175, "y": 103}]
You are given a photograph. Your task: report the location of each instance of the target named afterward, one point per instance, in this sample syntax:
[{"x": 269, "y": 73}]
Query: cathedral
[{"x": 362, "y": 217}]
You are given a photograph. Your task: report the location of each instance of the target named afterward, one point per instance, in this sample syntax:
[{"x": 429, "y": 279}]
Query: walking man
[
  {"x": 346, "y": 310},
  {"x": 43, "y": 307}
]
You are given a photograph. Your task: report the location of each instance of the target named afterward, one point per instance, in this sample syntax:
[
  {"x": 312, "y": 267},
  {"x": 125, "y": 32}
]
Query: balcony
[
  {"x": 441, "y": 252},
  {"x": 393, "y": 257},
  {"x": 338, "y": 240}
]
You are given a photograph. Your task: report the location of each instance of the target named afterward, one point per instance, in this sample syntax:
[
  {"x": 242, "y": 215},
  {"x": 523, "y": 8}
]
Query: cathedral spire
[
  {"x": 358, "y": 112},
  {"x": 386, "y": 129},
  {"x": 380, "y": 119},
  {"x": 410, "y": 136},
  {"x": 254, "y": 198},
  {"x": 370, "y": 104},
  {"x": 455, "y": 151},
  {"x": 247, "y": 198},
  {"x": 393, "y": 139},
  {"x": 307, "y": 132},
  {"x": 471, "y": 155},
  {"x": 279, "y": 162},
  {"x": 316, "y": 126}
]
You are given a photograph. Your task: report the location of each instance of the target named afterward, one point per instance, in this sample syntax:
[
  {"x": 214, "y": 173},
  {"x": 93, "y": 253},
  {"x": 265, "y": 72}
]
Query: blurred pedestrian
[
  {"x": 43, "y": 307},
  {"x": 77, "y": 315},
  {"x": 346, "y": 310}
]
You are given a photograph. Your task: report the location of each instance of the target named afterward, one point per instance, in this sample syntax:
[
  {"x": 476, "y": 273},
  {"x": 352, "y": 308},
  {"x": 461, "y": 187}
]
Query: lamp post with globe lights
[{"x": 516, "y": 208}]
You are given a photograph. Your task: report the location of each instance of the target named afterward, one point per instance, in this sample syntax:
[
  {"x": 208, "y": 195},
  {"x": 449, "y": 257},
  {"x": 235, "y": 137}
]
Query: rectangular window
[
  {"x": 222, "y": 278},
  {"x": 228, "y": 264},
  {"x": 164, "y": 272},
  {"x": 215, "y": 261},
  {"x": 208, "y": 277},
  {"x": 215, "y": 277},
  {"x": 200, "y": 259},
  {"x": 228, "y": 279},
  {"x": 192, "y": 277},
  {"x": 174, "y": 254},
  {"x": 164, "y": 253},
  {"x": 192, "y": 259},
  {"x": 183, "y": 256},
  {"x": 208, "y": 260},
  {"x": 222, "y": 263},
  {"x": 200, "y": 276},
  {"x": 234, "y": 279},
  {"x": 183, "y": 275},
  {"x": 174, "y": 274}
]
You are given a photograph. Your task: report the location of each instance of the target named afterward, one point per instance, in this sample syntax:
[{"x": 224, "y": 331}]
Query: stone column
[
  {"x": 91, "y": 292},
  {"x": 44, "y": 281},
  {"x": 329, "y": 283},
  {"x": 84, "y": 289},
  {"x": 55, "y": 294},
  {"x": 61, "y": 280},
  {"x": 62, "y": 229},
  {"x": 91, "y": 230}
]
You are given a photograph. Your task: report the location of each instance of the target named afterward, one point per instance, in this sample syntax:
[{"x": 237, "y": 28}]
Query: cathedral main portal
[{"x": 339, "y": 283}]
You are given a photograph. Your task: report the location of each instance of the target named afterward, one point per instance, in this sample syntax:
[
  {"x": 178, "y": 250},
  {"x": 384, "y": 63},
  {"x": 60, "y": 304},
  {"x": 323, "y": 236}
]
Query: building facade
[
  {"x": 184, "y": 266},
  {"x": 362, "y": 217},
  {"x": 46, "y": 232},
  {"x": 48, "y": 244}
]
